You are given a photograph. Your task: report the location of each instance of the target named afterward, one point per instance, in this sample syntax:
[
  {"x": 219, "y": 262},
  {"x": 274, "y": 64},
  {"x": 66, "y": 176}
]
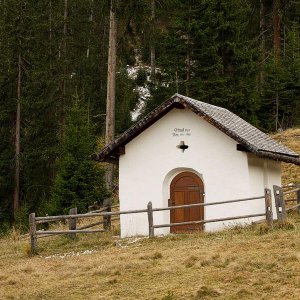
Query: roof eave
[
  {"x": 140, "y": 126},
  {"x": 279, "y": 157},
  {"x": 216, "y": 124},
  {"x": 109, "y": 153}
]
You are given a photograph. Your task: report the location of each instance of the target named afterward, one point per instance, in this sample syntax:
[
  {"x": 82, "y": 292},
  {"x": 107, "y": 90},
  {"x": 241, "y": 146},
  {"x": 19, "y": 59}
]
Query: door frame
[{"x": 172, "y": 185}]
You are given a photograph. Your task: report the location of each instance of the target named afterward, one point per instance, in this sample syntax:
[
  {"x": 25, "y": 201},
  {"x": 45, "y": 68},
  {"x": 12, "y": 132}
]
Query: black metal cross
[{"x": 182, "y": 146}]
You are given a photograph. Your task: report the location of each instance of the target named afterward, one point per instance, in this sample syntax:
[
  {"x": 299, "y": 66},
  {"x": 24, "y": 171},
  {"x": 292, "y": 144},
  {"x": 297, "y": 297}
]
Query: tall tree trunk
[
  {"x": 188, "y": 56},
  {"x": 152, "y": 47},
  {"x": 65, "y": 48},
  {"x": 111, "y": 88},
  {"x": 276, "y": 29},
  {"x": 91, "y": 17},
  {"x": 16, "y": 197},
  {"x": 50, "y": 33},
  {"x": 50, "y": 22},
  {"x": 262, "y": 27},
  {"x": 177, "y": 83},
  {"x": 276, "y": 46},
  {"x": 284, "y": 41},
  {"x": 277, "y": 111}
]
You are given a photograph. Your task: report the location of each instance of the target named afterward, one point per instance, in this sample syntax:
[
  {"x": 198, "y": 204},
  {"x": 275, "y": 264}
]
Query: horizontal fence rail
[
  {"x": 207, "y": 204},
  {"x": 96, "y": 223},
  {"x": 291, "y": 191},
  {"x": 42, "y": 232},
  {"x": 290, "y": 200},
  {"x": 293, "y": 207},
  {"x": 40, "y": 220},
  {"x": 280, "y": 201},
  {"x": 106, "y": 213},
  {"x": 210, "y": 221},
  {"x": 102, "y": 209},
  {"x": 268, "y": 212},
  {"x": 290, "y": 186}
]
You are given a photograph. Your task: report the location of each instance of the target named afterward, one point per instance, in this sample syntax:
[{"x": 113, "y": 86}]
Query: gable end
[{"x": 247, "y": 136}]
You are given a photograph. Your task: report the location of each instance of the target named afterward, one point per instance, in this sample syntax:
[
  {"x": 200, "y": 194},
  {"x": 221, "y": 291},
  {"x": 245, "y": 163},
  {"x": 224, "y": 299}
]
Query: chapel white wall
[
  {"x": 264, "y": 173},
  {"x": 152, "y": 160}
]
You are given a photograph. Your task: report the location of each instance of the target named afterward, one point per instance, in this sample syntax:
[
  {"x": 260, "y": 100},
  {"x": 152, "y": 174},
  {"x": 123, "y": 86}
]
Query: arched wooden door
[{"x": 186, "y": 188}]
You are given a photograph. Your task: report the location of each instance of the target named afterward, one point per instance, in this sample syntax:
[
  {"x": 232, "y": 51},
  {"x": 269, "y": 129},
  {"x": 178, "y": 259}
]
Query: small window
[{"x": 182, "y": 146}]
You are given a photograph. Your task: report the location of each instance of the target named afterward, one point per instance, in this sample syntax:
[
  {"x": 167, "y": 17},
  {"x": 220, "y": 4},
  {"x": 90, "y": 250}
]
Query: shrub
[{"x": 79, "y": 181}]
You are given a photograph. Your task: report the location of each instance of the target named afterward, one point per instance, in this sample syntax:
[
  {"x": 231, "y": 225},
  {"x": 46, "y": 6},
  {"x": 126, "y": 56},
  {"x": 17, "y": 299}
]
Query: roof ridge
[
  {"x": 245, "y": 123},
  {"x": 223, "y": 119},
  {"x": 195, "y": 100}
]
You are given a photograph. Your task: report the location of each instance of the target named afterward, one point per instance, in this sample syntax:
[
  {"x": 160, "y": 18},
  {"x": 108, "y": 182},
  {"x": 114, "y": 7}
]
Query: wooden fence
[
  {"x": 280, "y": 194},
  {"x": 106, "y": 213},
  {"x": 268, "y": 212}
]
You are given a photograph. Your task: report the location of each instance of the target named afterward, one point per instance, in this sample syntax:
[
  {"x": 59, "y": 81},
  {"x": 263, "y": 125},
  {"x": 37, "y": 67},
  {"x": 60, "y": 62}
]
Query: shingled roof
[{"x": 251, "y": 138}]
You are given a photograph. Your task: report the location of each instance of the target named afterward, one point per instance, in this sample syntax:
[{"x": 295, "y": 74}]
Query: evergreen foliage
[
  {"x": 126, "y": 100},
  {"x": 281, "y": 92},
  {"x": 50, "y": 55},
  {"x": 79, "y": 181},
  {"x": 212, "y": 50},
  {"x": 205, "y": 54}
]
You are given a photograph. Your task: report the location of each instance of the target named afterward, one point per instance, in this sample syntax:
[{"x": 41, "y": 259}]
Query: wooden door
[{"x": 186, "y": 188}]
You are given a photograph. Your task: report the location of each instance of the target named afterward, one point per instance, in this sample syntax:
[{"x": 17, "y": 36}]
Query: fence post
[
  {"x": 150, "y": 219},
  {"x": 107, "y": 219},
  {"x": 279, "y": 201},
  {"x": 32, "y": 233},
  {"x": 269, "y": 212},
  {"x": 72, "y": 222},
  {"x": 298, "y": 196}
]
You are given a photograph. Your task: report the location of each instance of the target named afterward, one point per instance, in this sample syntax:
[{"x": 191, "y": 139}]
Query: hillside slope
[
  {"x": 290, "y": 138},
  {"x": 234, "y": 264},
  {"x": 238, "y": 263}
]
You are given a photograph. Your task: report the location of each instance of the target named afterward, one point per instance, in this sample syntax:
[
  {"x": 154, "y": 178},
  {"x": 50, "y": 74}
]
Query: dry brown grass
[
  {"x": 238, "y": 263},
  {"x": 290, "y": 138}
]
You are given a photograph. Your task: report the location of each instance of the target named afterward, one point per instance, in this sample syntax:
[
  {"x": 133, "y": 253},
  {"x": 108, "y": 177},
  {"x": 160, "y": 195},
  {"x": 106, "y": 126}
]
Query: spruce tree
[
  {"x": 280, "y": 106},
  {"x": 205, "y": 53},
  {"x": 79, "y": 181}
]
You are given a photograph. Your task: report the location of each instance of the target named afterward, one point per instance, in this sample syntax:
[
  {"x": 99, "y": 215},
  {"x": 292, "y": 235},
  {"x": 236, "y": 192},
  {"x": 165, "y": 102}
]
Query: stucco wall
[
  {"x": 152, "y": 160},
  {"x": 264, "y": 173}
]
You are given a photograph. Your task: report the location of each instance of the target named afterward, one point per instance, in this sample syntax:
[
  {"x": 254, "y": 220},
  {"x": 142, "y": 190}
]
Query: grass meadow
[{"x": 253, "y": 262}]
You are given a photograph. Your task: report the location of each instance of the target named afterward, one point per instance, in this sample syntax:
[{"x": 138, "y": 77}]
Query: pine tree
[
  {"x": 51, "y": 73},
  {"x": 280, "y": 106},
  {"x": 205, "y": 52},
  {"x": 79, "y": 181}
]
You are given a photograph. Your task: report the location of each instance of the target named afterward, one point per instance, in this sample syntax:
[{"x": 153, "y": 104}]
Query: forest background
[{"x": 243, "y": 55}]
